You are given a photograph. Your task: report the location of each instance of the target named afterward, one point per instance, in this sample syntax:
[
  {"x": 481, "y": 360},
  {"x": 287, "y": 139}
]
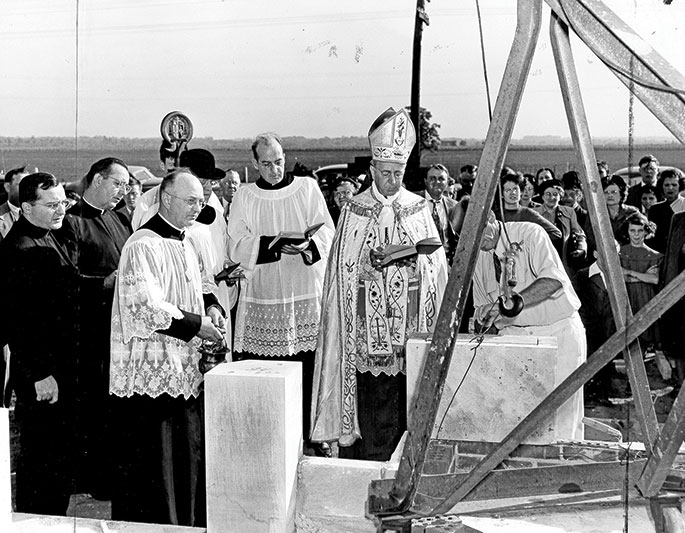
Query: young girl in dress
[{"x": 641, "y": 270}]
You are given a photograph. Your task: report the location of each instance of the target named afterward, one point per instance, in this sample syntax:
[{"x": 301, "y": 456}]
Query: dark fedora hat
[{"x": 202, "y": 163}]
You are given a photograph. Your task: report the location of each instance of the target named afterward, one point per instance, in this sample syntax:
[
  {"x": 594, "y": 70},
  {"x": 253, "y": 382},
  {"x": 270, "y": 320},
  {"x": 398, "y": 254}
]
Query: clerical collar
[
  {"x": 91, "y": 206},
  {"x": 382, "y": 199},
  {"x": 30, "y": 229},
  {"x": 162, "y": 227},
  {"x": 263, "y": 184}
]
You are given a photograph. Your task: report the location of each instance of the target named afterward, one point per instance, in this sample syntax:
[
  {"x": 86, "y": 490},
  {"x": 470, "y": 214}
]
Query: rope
[
  {"x": 478, "y": 339},
  {"x": 487, "y": 94},
  {"x": 485, "y": 66}
]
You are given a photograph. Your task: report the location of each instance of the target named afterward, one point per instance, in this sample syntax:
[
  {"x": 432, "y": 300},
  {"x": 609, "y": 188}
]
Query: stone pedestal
[
  {"x": 510, "y": 376},
  {"x": 253, "y": 426},
  {"x": 5, "y": 481}
]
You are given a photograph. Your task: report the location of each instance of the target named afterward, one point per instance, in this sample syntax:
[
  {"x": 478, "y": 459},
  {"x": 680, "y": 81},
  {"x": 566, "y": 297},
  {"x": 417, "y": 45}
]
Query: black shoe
[{"x": 322, "y": 449}]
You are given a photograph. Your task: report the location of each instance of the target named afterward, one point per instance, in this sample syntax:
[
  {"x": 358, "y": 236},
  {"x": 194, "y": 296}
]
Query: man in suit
[
  {"x": 573, "y": 195},
  {"x": 131, "y": 198},
  {"x": 649, "y": 170},
  {"x": 9, "y": 211},
  {"x": 228, "y": 187},
  {"x": 670, "y": 184},
  {"x": 445, "y": 211}
]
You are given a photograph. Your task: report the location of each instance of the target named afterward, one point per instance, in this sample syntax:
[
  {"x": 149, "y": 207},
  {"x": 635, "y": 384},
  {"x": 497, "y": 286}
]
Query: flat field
[{"x": 68, "y": 165}]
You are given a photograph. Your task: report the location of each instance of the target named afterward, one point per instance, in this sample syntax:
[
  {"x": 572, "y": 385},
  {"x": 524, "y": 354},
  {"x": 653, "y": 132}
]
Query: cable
[
  {"x": 479, "y": 338},
  {"x": 485, "y": 66}
]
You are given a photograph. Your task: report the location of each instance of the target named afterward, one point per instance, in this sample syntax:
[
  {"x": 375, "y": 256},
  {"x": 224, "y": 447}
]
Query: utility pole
[{"x": 414, "y": 162}]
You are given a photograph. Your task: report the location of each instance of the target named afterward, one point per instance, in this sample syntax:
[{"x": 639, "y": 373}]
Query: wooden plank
[
  {"x": 601, "y": 224},
  {"x": 499, "y": 135},
  {"x": 665, "y": 450},
  {"x": 513, "y": 483},
  {"x": 673, "y": 292}
]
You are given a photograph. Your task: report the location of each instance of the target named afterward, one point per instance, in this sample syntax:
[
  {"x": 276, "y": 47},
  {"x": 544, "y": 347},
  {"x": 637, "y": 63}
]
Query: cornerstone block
[
  {"x": 253, "y": 421},
  {"x": 509, "y": 376}
]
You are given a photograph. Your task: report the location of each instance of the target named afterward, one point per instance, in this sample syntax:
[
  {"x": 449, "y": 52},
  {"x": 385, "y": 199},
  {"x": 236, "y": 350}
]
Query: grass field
[{"x": 69, "y": 165}]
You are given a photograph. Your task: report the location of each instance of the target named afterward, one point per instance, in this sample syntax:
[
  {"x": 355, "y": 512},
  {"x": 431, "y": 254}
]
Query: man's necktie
[
  {"x": 436, "y": 219},
  {"x": 498, "y": 267}
]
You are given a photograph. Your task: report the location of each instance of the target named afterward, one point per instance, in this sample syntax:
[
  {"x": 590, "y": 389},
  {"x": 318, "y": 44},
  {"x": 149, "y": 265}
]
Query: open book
[
  {"x": 294, "y": 237},
  {"x": 399, "y": 252}
]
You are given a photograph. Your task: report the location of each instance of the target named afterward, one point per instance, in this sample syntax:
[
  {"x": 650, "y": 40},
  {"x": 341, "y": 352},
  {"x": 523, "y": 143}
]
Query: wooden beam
[
  {"x": 601, "y": 223},
  {"x": 665, "y": 449},
  {"x": 512, "y": 483},
  {"x": 624, "y": 51},
  {"x": 430, "y": 386},
  {"x": 644, "y": 318}
]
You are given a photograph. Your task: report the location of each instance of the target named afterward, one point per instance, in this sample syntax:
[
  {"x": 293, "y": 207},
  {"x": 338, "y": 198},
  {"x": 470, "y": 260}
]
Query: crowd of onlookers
[{"x": 640, "y": 216}]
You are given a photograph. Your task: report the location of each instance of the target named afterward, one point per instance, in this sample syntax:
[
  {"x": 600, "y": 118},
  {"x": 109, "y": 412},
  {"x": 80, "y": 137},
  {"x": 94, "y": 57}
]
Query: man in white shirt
[{"x": 546, "y": 303}]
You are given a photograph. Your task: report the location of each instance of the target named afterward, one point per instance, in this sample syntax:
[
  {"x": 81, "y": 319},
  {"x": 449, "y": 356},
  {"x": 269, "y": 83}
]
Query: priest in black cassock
[
  {"x": 38, "y": 277},
  {"x": 159, "y": 317},
  {"x": 97, "y": 233}
]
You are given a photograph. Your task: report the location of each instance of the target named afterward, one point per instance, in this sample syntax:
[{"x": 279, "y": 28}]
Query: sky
[{"x": 297, "y": 67}]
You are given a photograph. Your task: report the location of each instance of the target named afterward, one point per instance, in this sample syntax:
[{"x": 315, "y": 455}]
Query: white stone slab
[
  {"x": 5, "y": 480},
  {"x": 510, "y": 375},
  {"x": 253, "y": 425}
]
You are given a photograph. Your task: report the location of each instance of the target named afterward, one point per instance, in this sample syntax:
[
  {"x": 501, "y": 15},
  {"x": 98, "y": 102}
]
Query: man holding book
[
  {"x": 279, "y": 308},
  {"x": 371, "y": 305}
]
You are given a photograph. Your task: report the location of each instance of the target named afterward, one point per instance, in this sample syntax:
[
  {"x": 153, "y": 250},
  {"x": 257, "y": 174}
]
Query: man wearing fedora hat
[{"x": 208, "y": 237}]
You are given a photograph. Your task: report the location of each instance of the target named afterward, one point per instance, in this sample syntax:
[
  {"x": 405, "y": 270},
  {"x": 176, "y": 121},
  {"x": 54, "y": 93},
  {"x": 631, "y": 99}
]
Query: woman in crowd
[
  {"x": 528, "y": 191},
  {"x": 572, "y": 247},
  {"x": 614, "y": 195}
]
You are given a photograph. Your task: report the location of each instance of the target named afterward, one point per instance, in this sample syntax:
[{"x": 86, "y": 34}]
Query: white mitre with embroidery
[{"x": 392, "y": 137}]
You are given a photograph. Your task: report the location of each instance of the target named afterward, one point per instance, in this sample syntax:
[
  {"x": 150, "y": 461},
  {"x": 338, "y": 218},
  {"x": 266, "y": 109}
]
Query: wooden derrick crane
[{"x": 660, "y": 88}]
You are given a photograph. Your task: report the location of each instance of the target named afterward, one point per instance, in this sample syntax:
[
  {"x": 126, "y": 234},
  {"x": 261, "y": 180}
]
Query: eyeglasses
[
  {"x": 551, "y": 194},
  {"x": 54, "y": 206},
  {"x": 120, "y": 185},
  {"x": 190, "y": 202}
]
